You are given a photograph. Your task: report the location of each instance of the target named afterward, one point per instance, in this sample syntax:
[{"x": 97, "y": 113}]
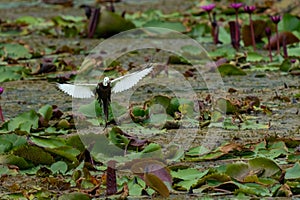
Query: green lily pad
[
  {"x": 289, "y": 23},
  {"x": 238, "y": 171},
  {"x": 230, "y": 70},
  {"x": 10, "y": 141},
  {"x": 67, "y": 152},
  {"x": 14, "y": 160},
  {"x": 74, "y": 196},
  {"x": 197, "y": 151},
  {"x": 224, "y": 35},
  {"x": 24, "y": 122},
  {"x": 11, "y": 73},
  {"x": 293, "y": 172},
  {"x": 223, "y": 51},
  {"x": 294, "y": 51},
  {"x": 15, "y": 51},
  {"x": 268, "y": 166},
  {"x": 30, "y": 20},
  {"x": 285, "y": 65},
  {"x": 192, "y": 50},
  {"x": 5, "y": 146},
  {"x": 225, "y": 106},
  {"x": 253, "y": 189},
  {"x": 152, "y": 147},
  {"x": 189, "y": 177},
  {"x": 176, "y": 26},
  {"x": 136, "y": 186},
  {"x": 139, "y": 112},
  {"x": 254, "y": 57},
  {"x": 51, "y": 142},
  {"x": 59, "y": 167},
  {"x": 46, "y": 111},
  {"x": 34, "y": 154}
]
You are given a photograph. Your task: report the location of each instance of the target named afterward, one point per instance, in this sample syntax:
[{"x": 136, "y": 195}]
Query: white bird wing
[
  {"x": 128, "y": 81},
  {"x": 77, "y": 91}
]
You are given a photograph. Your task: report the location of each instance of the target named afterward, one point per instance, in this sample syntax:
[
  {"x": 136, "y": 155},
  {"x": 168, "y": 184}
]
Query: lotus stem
[
  {"x": 237, "y": 31},
  {"x": 252, "y": 32},
  {"x": 277, "y": 37},
  {"x": 285, "y": 52},
  {"x": 1, "y": 115},
  {"x": 269, "y": 33}
]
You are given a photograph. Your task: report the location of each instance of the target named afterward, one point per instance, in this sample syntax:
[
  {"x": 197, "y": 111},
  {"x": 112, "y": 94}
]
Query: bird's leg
[
  {"x": 105, "y": 109},
  {"x": 105, "y": 124}
]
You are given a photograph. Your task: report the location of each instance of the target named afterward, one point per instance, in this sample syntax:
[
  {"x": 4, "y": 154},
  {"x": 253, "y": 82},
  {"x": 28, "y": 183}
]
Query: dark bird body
[{"x": 103, "y": 97}]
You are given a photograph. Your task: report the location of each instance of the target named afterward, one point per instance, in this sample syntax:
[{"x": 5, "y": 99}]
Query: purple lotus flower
[
  {"x": 208, "y": 7},
  {"x": 1, "y": 90},
  {"x": 268, "y": 31},
  {"x": 276, "y": 19},
  {"x": 236, "y": 6},
  {"x": 249, "y": 9}
]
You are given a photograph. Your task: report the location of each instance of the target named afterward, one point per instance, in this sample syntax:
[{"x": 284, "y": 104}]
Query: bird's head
[{"x": 106, "y": 81}]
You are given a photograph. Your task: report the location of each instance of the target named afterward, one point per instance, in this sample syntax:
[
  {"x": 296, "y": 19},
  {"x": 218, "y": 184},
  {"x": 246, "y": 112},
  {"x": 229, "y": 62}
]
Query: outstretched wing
[
  {"x": 128, "y": 81},
  {"x": 76, "y": 91}
]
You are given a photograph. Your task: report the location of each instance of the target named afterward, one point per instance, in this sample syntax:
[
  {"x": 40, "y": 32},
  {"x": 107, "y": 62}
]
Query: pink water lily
[
  {"x": 208, "y": 7},
  {"x": 236, "y": 6},
  {"x": 276, "y": 19},
  {"x": 215, "y": 31},
  {"x": 236, "y": 40},
  {"x": 249, "y": 9}
]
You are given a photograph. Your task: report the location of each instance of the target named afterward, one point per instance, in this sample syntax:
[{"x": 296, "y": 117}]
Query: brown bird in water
[{"x": 104, "y": 88}]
